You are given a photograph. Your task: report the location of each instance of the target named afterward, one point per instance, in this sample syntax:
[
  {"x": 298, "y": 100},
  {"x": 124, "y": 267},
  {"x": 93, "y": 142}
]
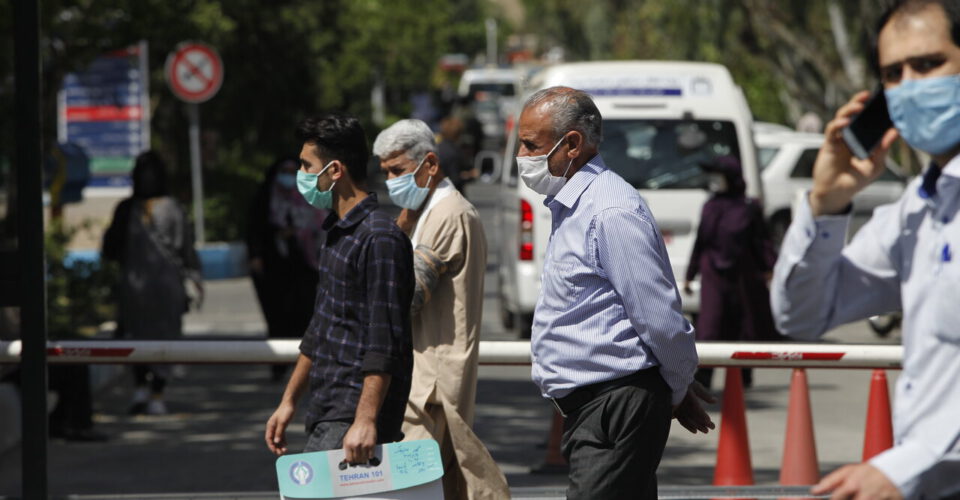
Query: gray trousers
[{"x": 614, "y": 443}]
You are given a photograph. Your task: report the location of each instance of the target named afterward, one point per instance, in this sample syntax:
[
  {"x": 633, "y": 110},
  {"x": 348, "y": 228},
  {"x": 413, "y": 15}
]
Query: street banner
[{"x": 408, "y": 470}]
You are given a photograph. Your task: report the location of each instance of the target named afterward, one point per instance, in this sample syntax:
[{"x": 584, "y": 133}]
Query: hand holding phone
[
  {"x": 844, "y": 166},
  {"x": 866, "y": 130}
]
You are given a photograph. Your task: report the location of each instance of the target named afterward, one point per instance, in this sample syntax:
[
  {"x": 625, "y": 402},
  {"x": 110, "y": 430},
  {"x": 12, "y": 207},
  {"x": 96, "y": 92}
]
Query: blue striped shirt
[{"x": 608, "y": 304}]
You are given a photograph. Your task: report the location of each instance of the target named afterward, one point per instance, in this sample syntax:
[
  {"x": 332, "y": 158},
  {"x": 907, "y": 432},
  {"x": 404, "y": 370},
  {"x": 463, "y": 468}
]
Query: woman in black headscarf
[
  {"x": 734, "y": 257},
  {"x": 151, "y": 239},
  {"x": 283, "y": 234}
]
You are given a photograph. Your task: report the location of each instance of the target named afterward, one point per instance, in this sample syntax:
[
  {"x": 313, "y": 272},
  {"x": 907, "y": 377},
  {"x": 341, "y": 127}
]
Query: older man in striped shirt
[{"x": 610, "y": 345}]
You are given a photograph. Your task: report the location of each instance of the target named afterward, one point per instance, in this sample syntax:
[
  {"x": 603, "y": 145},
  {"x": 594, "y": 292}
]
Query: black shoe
[{"x": 138, "y": 408}]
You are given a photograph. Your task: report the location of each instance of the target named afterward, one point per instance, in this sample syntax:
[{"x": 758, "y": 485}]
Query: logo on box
[{"x": 301, "y": 473}]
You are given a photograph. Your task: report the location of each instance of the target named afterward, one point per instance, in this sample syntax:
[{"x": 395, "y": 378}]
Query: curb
[{"x": 217, "y": 260}]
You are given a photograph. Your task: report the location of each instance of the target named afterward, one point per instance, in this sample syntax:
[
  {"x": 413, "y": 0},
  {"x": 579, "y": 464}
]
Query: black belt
[{"x": 585, "y": 394}]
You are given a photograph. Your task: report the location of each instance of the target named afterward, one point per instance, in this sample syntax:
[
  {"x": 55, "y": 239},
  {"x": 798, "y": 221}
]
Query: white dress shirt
[
  {"x": 444, "y": 188},
  {"x": 608, "y": 304},
  {"x": 905, "y": 258}
]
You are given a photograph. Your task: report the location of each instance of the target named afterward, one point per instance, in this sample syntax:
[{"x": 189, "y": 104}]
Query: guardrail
[{"x": 263, "y": 351}]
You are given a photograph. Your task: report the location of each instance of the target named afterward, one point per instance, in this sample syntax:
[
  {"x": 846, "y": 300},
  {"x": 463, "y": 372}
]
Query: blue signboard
[{"x": 105, "y": 110}]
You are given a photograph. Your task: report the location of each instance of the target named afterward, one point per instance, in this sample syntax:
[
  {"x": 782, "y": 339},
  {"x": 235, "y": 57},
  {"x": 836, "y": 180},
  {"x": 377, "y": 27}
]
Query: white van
[
  {"x": 504, "y": 82},
  {"x": 660, "y": 120}
]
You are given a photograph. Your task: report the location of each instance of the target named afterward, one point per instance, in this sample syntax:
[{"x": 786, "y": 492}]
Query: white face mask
[
  {"x": 535, "y": 172},
  {"x": 717, "y": 183}
]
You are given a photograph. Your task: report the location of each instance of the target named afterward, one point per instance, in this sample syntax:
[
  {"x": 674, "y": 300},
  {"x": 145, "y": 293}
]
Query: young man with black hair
[
  {"x": 356, "y": 356},
  {"x": 902, "y": 259}
]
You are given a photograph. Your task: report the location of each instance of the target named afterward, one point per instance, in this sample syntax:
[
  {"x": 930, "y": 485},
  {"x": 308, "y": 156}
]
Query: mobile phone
[{"x": 867, "y": 128}]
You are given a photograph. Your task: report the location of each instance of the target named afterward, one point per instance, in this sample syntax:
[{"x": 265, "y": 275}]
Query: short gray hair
[
  {"x": 570, "y": 109},
  {"x": 411, "y": 137}
]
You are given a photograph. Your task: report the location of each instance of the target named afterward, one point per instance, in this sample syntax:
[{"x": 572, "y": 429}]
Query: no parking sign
[{"x": 194, "y": 72}]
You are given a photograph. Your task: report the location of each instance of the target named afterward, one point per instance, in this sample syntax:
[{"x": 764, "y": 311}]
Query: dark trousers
[
  {"x": 74, "y": 410},
  {"x": 152, "y": 375},
  {"x": 614, "y": 443},
  {"x": 327, "y": 436}
]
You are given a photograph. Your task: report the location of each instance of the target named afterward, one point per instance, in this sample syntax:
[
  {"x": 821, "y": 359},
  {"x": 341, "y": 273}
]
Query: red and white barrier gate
[{"x": 771, "y": 355}]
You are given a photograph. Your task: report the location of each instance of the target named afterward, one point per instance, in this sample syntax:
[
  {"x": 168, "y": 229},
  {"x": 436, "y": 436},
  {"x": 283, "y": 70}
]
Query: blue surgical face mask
[
  {"x": 926, "y": 112},
  {"x": 307, "y": 185},
  {"x": 286, "y": 180},
  {"x": 404, "y": 191}
]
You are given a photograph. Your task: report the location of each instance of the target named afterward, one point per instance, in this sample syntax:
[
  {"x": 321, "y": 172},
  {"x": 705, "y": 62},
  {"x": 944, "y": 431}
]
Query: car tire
[
  {"x": 883, "y": 324},
  {"x": 525, "y": 325},
  {"x": 507, "y": 318}
]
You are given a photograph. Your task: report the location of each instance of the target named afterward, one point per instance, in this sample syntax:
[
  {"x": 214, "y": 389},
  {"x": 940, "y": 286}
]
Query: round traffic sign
[{"x": 194, "y": 72}]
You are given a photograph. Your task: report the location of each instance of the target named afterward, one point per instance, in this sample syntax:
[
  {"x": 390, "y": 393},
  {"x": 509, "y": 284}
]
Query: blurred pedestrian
[
  {"x": 153, "y": 242},
  {"x": 283, "y": 232},
  {"x": 356, "y": 356},
  {"x": 610, "y": 345},
  {"x": 734, "y": 256},
  {"x": 450, "y": 260},
  {"x": 453, "y": 162},
  {"x": 902, "y": 259}
]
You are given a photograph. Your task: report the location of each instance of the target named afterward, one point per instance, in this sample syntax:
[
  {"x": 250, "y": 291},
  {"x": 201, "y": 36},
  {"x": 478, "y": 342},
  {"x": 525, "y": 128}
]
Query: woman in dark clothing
[
  {"x": 151, "y": 239},
  {"x": 282, "y": 241},
  {"x": 734, "y": 256}
]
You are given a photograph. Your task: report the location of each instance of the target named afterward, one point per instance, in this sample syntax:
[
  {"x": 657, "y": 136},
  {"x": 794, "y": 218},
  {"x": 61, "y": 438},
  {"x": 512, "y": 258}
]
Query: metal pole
[
  {"x": 33, "y": 326},
  {"x": 195, "y": 169},
  {"x": 492, "y": 59},
  {"x": 143, "y": 49}
]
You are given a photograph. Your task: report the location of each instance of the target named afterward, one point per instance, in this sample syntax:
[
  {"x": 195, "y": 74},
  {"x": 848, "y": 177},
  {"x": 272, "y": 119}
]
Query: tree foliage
[
  {"x": 283, "y": 60},
  {"x": 791, "y": 56}
]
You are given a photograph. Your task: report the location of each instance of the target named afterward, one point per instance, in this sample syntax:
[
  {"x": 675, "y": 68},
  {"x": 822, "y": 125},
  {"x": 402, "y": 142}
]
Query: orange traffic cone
[
  {"x": 799, "y": 448},
  {"x": 878, "y": 435},
  {"x": 733, "y": 452},
  {"x": 555, "y": 462}
]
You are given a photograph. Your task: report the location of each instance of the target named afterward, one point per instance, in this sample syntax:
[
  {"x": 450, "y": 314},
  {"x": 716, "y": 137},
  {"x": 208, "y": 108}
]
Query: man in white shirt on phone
[{"x": 902, "y": 259}]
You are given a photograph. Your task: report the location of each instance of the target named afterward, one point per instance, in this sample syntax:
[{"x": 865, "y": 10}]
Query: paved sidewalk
[{"x": 212, "y": 441}]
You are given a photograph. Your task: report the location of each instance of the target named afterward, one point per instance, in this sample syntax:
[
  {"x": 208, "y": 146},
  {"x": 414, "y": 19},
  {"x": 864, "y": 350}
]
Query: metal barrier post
[{"x": 33, "y": 328}]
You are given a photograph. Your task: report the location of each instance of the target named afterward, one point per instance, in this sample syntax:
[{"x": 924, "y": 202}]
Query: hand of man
[
  {"x": 860, "y": 481},
  {"x": 687, "y": 288},
  {"x": 837, "y": 174},
  {"x": 359, "y": 441},
  {"x": 275, "y": 435},
  {"x": 690, "y": 414},
  {"x": 407, "y": 220}
]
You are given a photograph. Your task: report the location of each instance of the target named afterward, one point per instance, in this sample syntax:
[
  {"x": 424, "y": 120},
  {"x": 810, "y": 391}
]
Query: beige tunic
[{"x": 445, "y": 340}]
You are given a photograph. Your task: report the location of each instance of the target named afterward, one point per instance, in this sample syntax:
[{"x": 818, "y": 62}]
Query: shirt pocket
[{"x": 561, "y": 289}]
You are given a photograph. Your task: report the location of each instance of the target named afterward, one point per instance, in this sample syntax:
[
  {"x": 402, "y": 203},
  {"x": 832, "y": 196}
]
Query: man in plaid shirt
[{"x": 356, "y": 355}]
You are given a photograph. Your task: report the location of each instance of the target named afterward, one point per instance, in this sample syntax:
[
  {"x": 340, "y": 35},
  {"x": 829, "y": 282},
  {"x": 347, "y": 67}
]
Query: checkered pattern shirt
[{"x": 361, "y": 318}]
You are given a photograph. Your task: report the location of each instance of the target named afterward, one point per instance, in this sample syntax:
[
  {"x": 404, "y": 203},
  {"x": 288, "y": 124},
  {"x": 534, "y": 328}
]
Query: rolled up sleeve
[{"x": 390, "y": 282}]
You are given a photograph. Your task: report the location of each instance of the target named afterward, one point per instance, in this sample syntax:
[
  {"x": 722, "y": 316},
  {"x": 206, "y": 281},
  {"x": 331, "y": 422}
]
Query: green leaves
[{"x": 791, "y": 56}]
